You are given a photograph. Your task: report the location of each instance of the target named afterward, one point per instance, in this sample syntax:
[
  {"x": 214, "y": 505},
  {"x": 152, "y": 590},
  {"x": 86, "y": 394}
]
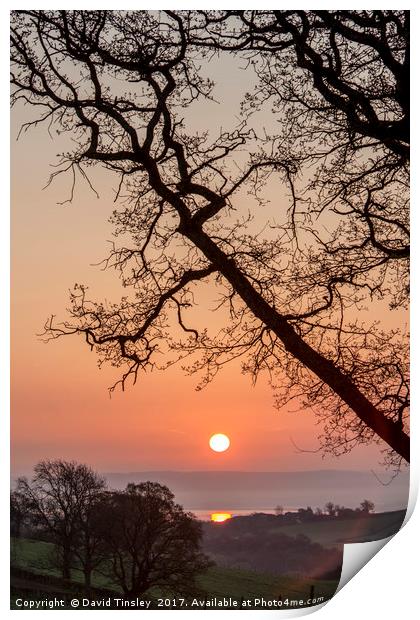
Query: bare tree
[
  {"x": 367, "y": 506},
  {"x": 19, "y": 517},
  {"x": 59, "y": 498},
  {"x": 330, "y": 508},
  {"x": 287, "y": 306},
  {"x": 18, "y": 513},
  {"x": 340, "y": 79},
  {"x": 151, "y": 541},
  {"x": 89, "y": 550},
  {"x": 358, "y": 62}
]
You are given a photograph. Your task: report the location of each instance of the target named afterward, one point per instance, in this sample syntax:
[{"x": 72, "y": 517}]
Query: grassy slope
[
  {"x": 33, "y": 555},
  {"x": 221, "y": 582},
  {"x": 218, "y": 582}
]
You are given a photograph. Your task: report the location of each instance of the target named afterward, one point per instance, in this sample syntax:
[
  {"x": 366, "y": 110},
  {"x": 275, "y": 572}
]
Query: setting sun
[
  {"x": 219, "y": 442},
  {"x": 220, "y": 517}
]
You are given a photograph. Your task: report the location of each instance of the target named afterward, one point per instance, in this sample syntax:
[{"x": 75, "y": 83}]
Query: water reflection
[
  {"x": 220, "y": 517},
  {"x": 206, "y": 515}
]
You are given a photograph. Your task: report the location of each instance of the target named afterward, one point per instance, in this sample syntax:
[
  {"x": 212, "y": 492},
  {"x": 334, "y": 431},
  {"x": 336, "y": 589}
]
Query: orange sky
[{"x": 60, "y": 402}]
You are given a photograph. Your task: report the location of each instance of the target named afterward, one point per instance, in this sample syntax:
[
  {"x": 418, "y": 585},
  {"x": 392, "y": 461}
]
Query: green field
[
  {"x": 219, "y": 582},
  {"x": 32, "y": 556},
  {"x": 347, "y": 530}
]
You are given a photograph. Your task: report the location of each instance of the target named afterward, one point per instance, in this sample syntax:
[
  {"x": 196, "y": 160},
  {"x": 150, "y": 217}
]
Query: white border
[{"x": 387, "y": 586}]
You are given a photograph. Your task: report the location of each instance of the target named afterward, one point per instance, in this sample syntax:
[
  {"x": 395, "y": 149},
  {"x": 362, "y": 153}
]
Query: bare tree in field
[
  {"x": 19, "y": 518},
  {"x": 150, "y": 541},
  {"x": 330, "y": 508},
  {"x": 18, "y": 514},
  {"x": 121, "y": 83},
  {"x": 367, "y": 506},
  {"x": 89, "y": 550},
  {"x": 60, "y": 498}
]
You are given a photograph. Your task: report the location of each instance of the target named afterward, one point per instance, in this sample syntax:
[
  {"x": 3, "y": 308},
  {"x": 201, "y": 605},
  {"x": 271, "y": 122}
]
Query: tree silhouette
[
  {"x": 367, "y": 506},
  {"x": 89, "y": 549},
  {"x": 59, "y": 499},
  {"x": 330, "y": 508},
  {"x": 150, "y": 540},
  {"x": 18, "y": 513},
  {"x": 358, "y": 62},
  {"x": 341, "y": 79},
  {"x": 120, "y": 84}
]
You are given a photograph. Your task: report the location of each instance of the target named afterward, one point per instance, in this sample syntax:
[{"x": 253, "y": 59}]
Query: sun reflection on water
[{"x": 220, "y": 517}]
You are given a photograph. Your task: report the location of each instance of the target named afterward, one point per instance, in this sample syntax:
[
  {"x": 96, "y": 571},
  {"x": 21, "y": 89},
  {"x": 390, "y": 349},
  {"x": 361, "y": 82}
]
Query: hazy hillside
[
  {"x": 214, "y": 490},
  {"x": 267, "y": 543}
]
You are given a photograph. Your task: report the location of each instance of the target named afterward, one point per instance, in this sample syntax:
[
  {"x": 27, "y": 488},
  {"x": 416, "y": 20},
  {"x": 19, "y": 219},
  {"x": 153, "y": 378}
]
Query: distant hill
[
  {"x": 268, "y": 544},
  {"x": 217, "y": 490},
  {"x": 327, "y": 531}
]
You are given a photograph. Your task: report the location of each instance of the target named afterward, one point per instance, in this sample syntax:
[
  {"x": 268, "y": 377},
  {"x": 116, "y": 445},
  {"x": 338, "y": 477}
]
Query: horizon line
[{"x": 242, "y": 471}]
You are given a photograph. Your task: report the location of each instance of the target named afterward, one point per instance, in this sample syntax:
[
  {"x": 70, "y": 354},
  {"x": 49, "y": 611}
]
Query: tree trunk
[
  {"x": 66, "y": 570},
  {"x": 87, "y": 573}
]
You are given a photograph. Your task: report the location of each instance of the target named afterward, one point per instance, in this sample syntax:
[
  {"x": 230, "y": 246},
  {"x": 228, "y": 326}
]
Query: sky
[
  {"x": 380, "y": 569},
  {"x": 61, "y": 407}
]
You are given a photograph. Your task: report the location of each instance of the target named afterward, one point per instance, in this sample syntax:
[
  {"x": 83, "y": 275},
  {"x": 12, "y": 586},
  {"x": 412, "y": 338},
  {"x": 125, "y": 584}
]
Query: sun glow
[
  {"x": 220, "y": 517},
  {"x": 219, "y": 442}
]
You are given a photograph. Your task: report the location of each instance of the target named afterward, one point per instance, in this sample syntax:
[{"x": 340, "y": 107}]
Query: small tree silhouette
[
  {"x": 330, "y": 508},
  {"x": 367, "y": 506}
]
